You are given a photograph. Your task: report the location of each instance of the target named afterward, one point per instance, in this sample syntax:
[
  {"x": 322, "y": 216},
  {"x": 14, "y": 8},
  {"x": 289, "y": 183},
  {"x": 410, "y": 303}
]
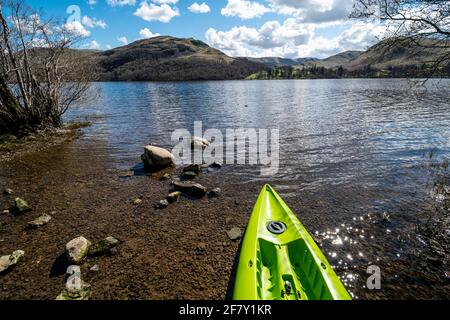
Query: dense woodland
[{"x": 320, "y": 72}]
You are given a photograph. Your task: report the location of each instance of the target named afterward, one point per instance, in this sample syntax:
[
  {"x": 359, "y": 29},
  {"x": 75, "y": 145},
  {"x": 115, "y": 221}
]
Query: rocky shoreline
[{"x": 165, "y": 234}]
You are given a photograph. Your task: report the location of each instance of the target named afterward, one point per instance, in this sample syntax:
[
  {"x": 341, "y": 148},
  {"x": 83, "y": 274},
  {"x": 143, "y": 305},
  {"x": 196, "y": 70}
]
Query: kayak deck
[{"x": 279, "y": 259}]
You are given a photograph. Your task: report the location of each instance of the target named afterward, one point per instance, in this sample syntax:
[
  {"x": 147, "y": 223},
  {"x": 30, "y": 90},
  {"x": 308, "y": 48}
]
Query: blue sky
[{"x": 285, "y": 28}]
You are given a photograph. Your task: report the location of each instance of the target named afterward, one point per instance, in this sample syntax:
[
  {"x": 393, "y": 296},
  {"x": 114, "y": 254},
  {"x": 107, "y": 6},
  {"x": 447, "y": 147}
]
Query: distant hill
[
  {"x": 272, "y": 62},
  {"x": 383, "y": 56},
  {"x": 167, "y": 58},
  {"x": 337, "y": 60}
]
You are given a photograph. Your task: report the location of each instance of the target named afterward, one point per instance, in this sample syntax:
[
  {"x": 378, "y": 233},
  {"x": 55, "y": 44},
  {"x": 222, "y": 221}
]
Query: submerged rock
[
  {"x": 103, "y": 246},
  {"x": 162, "y": 204},
  {"x": 76, "y": 288},
  {"x": 192, "y": 189},
  {"x": 155, "y": 157},
  {"x": 77, "y": 249},
  {"x": 196, "y": 168},
  {"x": 173, "y": 197},
  {"x": 9, "y": 261},
  {"x": 197, "y": 142},
  {"x": 234, "y": 234},
  {"x": 21, "y": 206},
  {"x": 40, "y": 222},
  {"x": 8, "y": 191}
]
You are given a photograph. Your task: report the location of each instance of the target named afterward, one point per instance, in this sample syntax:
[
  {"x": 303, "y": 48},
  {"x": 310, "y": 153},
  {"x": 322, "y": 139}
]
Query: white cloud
[
  {"x": 165, "y": 1},
  {"x": 199, "y": 8},
  {"x": 314, "y": 11},
  {"x": 291, "y": 39},
  {"x": 108, "y": 46},
  {"x": 244, "y": 9},
  {"x": 123, "y": 40},
  {"x": 93, "y": 22},
  {"x": 121, "y": 3},
  {"x": 146, "y": 34},
  {"x": 93, "y": 45},
  {"x": 76, "y": 28},
  {"x": 92, "y": 2},
  {"x": 152, "y": 12}
]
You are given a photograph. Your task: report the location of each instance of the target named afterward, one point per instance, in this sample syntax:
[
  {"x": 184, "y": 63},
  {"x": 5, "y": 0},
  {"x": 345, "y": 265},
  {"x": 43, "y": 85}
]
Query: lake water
[
  {"x": 331, "y": 131},
  {"x": 349, "y": 148}
]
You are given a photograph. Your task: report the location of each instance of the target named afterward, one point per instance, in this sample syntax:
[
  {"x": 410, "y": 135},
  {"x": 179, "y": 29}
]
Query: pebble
[
  {"x": 94, "y": 268},
  {"x": 234, "y": 234},
  {"x": 162, "y": 204},
  {"x": 40, "y": 222},
  {"x": 137, "y": 201},
  {"x": 215, "y": 193},
  {"x": 8, "y": 191},
  {"x": 173, "y": 197}
]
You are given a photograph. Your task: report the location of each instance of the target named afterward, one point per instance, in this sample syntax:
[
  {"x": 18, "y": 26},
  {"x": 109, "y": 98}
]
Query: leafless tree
[
  {"x": 423, "y": 25},
  {"x": 40, "y": 75}
]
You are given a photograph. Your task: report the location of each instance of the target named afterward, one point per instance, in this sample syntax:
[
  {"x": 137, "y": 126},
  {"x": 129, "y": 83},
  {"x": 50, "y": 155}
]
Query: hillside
[
  {"x": 167, "y": 58},
  {"x": 383, "y": 56},
  {"x": 273, "y": 62}
]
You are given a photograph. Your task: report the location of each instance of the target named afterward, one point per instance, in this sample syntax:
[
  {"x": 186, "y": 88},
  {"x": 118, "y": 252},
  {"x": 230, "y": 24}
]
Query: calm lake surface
[{"x": 357, "y": 148}]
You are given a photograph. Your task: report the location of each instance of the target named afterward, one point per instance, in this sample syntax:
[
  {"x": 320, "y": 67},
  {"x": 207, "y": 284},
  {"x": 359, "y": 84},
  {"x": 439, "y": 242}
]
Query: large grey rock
[
  {"x": 40, "y": 222},
  {"x": 234, "y": 234},
  {"x": 21, "y": 206},
  {"x": 103, "y": 246},
  {"x": 77, "y": 249},
  {"x": 155, "y": 157},
  {"x": 197, "y": 142},
  {"x": 192, "y": 189},
  {"x": 76, "y": 288},
  {"x": 9, "y": 261}
]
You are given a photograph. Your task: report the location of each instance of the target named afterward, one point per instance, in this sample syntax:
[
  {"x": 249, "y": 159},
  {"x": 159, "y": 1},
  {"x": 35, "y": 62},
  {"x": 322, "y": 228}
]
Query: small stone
[
  {"x": 137, "y": 201},
  {"x": 40, "y": 222},
  {"x": 227, "y": 220},
  {"x": 386, "y": 217},
  {"x": 198, "y": 142},
  {"x": 234, "y": 234},
  {"x": 215, "y": 193},
  {"x": 103, "y": 246},
  {"x": 9, "y": 261},
  {"x": 21, "y": 206},
  {"x": 165, "y": 177},
  {"x": 192, "y": 189},
  {"x": 162, "y": 204},
  {"x": 77, "y": 249},
  {"x": 94, "y": 268},
  {"x": 6, "y": 211},
  {"x": 216, "y": 165},
  {"x": 173, "y": 197},
  {"x": 196, "y": 168},
  {"x": 8, "y": 191},
  {"x": 189, "y": 175},
  {"x": 112, "y": 251}
]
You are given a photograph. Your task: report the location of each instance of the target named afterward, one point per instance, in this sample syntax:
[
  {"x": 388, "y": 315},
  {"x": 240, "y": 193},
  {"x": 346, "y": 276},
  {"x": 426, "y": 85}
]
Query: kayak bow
[{"x": 279, "y": 260}]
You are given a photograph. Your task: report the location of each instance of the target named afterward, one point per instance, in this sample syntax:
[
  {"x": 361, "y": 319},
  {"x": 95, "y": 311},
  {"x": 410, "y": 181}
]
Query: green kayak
[{"x": 279, "y": 260}]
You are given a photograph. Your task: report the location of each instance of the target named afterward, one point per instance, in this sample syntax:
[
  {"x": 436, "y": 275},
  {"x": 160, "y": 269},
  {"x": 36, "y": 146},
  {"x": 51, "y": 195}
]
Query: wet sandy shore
[{"x": 183, "y": 251}]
